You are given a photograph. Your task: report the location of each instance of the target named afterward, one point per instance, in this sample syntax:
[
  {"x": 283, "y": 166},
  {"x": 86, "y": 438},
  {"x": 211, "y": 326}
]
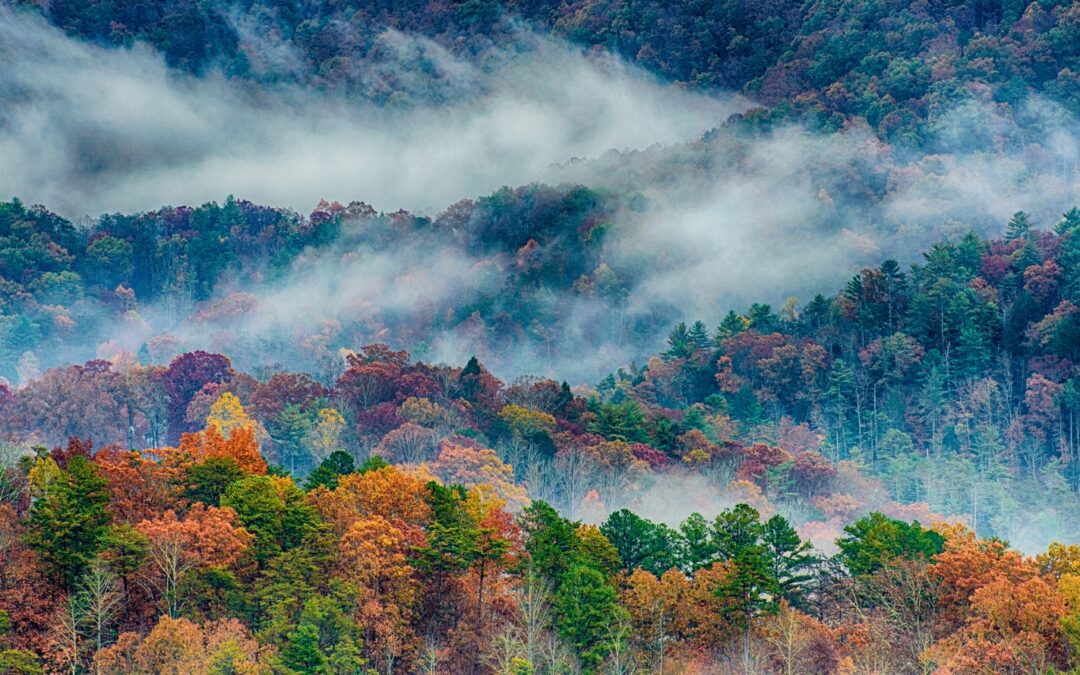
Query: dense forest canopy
[
  {"x": 896, "y": 64},
  {"x": 958, "y": 370},
  {"x": 539, "y": 338},
  {"x": 944, "y": 393}
]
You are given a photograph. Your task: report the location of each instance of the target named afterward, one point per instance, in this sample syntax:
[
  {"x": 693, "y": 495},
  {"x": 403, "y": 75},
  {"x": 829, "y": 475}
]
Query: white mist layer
[
  {"x": 90, "y": 130},
  {"x": 729, "y": 221}
]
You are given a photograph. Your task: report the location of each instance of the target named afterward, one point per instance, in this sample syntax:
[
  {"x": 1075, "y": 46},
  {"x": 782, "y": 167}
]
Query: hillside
[
  {"x": 246, "y": 533},
  {"x": 594, "y": 337},
  {"x": 897, "y": 65}
]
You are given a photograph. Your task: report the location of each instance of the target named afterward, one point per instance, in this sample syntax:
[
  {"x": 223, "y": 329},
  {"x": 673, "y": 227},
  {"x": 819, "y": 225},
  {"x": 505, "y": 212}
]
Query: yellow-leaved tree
[
  {"x": 325, "y": 435},
  {"x": 227, "y": 414}
]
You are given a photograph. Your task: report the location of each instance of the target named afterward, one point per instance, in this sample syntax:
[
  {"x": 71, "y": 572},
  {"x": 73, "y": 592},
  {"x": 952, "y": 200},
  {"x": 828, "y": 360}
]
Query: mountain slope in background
[{"x": 896, "y": 64}]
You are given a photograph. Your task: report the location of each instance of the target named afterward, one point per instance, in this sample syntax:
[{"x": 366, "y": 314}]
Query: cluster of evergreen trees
[{"x": 950, "y": 380}]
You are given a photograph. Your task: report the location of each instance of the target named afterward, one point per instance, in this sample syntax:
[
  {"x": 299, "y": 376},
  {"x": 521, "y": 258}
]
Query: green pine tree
[
  {"x": 762, "y": 318},
  {"x": 469, "y": 379},
  {"x": 789, "y": 558},
  {"x": 745, "y": 406},
  {"x": 751, "y": 589},
  {"x": 679, "y": 345},
  {"x": 586, "y": 605},
  {"x": 451, "y": 535},
  {"x": 874, "y": 539},
  {"x": 20, "y": 662},
  {"x": 330, "y": 470},
  {"x": 1070, "y": 221},
  {"x": 640, "y": 543},
  {"x": 698, "y": 337},
  {"x": 301, "y": 652},
  {"x": 1019, "y": 227},
  {"x": 696, "y": 545},
  {"x": 735, "y": 529},
  {"x": 207, "y": 481},
  {"x": 972, "y": 352},
  {"x": 732, "y": 325},
  {"x": 69, "y": 522},
  {"x": 288, "y": 430},
  {"x": 551, "y": 541}
]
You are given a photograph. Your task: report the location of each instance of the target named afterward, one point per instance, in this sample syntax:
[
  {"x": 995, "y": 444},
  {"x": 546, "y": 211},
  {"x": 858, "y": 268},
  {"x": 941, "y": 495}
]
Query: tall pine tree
[
  {"x": 1019, "y": 227},
  {"x": 70, "y": 520}
]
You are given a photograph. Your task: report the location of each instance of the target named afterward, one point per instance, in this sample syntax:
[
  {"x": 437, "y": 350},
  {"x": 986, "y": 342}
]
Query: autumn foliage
[{"x": 200, "y": 558}]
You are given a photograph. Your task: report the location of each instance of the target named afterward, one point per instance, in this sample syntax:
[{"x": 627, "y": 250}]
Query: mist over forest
[{"x": 531, "y": 338}]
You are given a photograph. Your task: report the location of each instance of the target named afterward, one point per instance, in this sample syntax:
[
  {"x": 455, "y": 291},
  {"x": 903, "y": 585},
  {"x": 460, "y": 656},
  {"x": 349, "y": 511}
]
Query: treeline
[
  {"x": 202, "y": 558},
  {"x": 894, "y": 64},
  {"x": 158, "y": 278},
  {"x": 531, "y": 439},
  {"x": 953, "y": 383},
  {"x": 949, "y": 380}
]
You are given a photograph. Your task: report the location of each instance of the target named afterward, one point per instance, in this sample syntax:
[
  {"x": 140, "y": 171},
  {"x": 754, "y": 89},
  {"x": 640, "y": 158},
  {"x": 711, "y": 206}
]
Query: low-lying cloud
[
  {"x": 90, "y": 130},
  {"x": 729, "y": 218}
]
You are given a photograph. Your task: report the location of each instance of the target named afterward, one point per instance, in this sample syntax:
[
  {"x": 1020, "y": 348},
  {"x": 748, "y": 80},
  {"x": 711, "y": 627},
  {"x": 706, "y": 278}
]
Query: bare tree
[
  {"x": 902, "y": 598},
  {"x": 102, "y": 601},
  {"x": 408, "y": 444},
  {"x": 788, "y": 640},
  {"x": 506, "y": 648},
  {"x": 535, "y": 614},
  {"x": 539, "y": 479},
  {"x": 540, "y": 645},
  {"x": 654, "y": 635},
  {"x": 574, "y": 473},
  {"x": 515, "y": 451},
  {"x": 170, "y": 561},
  {"x": 557, "y": 656},
  {"x": 535, "y": 392},
  {"x": 12, "y": 486},
  {"x": 620, "y": 658},
  {"x": 69, "y": 631},
  {"x": 429, "y": 661}
]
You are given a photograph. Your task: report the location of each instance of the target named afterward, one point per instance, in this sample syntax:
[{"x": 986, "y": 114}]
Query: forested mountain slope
[
  {"x": 896, "y": 64},
  {"x": 244, "y": 532},
  {"x": 955, "y": 381},
  {"x": 675, "y": 337}
]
